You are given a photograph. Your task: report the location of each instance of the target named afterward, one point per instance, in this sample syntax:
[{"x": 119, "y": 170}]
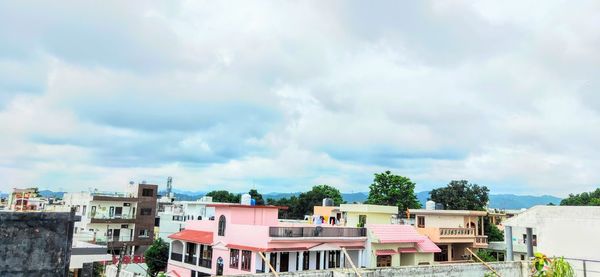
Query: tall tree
[
  {"x": 582, "y": 199},
  {"x": 157, "y": 256},
  {"x": 257, "y": 197},
  {"x": 224, "y": 196},
  {"x": 461, "y": 195},
  {"x": 393, "y": 190}
]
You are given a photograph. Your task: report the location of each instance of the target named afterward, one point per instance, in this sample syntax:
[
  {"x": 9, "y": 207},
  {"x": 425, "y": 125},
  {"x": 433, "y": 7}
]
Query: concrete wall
[
  {"x": 372, "y": 218},
  {"x": 36, "y": 243},
  {"x": 513, "y": 269}
]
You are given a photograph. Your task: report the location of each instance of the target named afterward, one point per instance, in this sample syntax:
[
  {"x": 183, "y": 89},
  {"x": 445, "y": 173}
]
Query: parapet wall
[{"x": 35, "y": 243}]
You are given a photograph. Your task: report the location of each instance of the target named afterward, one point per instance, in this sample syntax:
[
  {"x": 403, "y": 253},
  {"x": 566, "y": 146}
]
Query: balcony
[
  {"x": 190, "y": 259},
  {"x": 176, "y": 256},
  {"x": 453, "y": 235},
  {"x": 102, "y": 240},
  {"x": 481, "y": 241},
  {"x": 457, "y": 232},
  {"x": 310, "y": 232},
  {"x": 114, "y": 196},
  {"x": 98, "y": 218}
]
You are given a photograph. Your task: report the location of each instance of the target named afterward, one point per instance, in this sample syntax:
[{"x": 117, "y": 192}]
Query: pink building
[{"x": 231, "y": 243}]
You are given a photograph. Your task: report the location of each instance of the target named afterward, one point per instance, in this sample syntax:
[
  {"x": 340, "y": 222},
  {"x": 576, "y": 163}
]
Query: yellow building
[{"x": 361, "y": 214}]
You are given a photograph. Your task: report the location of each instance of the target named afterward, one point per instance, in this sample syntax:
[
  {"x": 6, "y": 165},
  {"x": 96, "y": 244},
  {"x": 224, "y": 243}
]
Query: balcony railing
[
  {"x": 205, "y": 263},
  {"x": 190, "y": 259},
  {"x": 457, "y": 232},
  {"x": 176, "y": 256},
  {"x": 296, "y": 232},
  {"x": 481, "y": 240}
]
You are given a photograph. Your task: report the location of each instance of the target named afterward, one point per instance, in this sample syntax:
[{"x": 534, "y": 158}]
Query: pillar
[
  {"x": 276, "y": 265},
  {"x": 322, "y": 261},
  {"x": 268, "y": 256},
  {"x": 342, "y": 259},
  {"x": 509, "y": 243},
  {"x": 449, "y": 252},
  {"x": 360, "y": 257},
  {"x": 300, "y": 260},
  {"x": 529, "y": 242},
  {"x": 482, "y": 227}
]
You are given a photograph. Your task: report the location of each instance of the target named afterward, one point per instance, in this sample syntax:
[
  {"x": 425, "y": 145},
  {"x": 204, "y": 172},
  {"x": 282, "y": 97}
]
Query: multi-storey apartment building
[
  {"x": 173, "y": 215},
  {"x": 452, "y": 231},
  {"x": 26, "y": 200},
  {"x": 123, "y": 221},
  {"x": 233, "y": 242}
]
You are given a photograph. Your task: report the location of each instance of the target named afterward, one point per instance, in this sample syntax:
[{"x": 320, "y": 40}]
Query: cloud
[{"x": 285, "y": 95}]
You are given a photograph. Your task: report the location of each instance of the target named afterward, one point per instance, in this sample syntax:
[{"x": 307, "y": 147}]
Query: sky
[{"x": 283, "y": 95}]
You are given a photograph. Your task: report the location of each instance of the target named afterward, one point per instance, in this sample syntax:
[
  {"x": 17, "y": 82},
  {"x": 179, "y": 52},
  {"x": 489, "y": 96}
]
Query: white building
[{"x": 173, "y": 215}]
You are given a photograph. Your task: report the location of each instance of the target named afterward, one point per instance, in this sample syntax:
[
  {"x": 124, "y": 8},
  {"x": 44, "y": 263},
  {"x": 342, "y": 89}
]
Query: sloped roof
[
  {"x": 384, "y": 252},
  {"x": 395, "y": 233},
  {"x": 194, "y": 236}
]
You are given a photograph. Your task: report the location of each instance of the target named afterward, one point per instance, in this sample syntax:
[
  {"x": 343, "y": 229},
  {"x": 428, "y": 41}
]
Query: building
[
  {"x": 83, "y": 255},
  {"x": 363, "y": 214},
  {"x": 172, "y": 216},
  {"x": 26, "y": 200},
  {"x": 453, "y": 231},
  {"x": 123, "y": 221},
  {"x": 498, "y": 216},
  {"x": 398, "y": 245},
  {"x": 233, "y": 243}
]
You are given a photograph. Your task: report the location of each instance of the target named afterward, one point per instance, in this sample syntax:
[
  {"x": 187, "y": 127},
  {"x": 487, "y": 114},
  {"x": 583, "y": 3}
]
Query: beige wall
[
  {"x": 444, "y": 221},
  {"x": 372, "y": 218},
  {"x": 401, "y": 259}
]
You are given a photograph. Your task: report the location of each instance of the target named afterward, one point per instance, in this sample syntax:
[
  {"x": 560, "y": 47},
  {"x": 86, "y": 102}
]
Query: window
[
  {"x": 221, "y": 231},
  {"x": 246, "y": 260},
  {"x": 384, "y": 261},
  {"x": 83, "y": 210},
  {"x": 305, "y": 260},
  {"x": 420, "y": 221},
  {"x": 146, "y": 211},
  {"x": 234, "y": 258},
  {"x": 318, "y": 260},
  {"x": 190, "y": 255},
  {"x": 206, "y": 256},
  {"x": 148, "y": 192},
  {"x": 362, "y": 220},
  {"x": 124, "y": 226},
  {"x": 334, "y": 259},
  {"x": 143, "y": 233}
]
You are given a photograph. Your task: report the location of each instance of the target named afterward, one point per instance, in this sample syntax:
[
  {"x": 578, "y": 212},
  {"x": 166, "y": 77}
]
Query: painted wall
[
  {"x": 372, "y": 262},
  {"x": 372, "y": 218}
]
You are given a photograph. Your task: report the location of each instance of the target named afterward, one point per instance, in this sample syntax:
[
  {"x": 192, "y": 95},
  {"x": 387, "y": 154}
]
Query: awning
[
  {"x": 384, "y": 252},
  {"x": 245, "y": 247},
  {"x": 193, "y": 236},
  {"x": 407, "y": 250}
]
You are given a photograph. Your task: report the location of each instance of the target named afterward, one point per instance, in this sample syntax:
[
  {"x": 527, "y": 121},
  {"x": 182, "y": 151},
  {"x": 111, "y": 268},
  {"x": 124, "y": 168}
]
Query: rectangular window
[
  {"x": 124, "y": 226},
  {"x": 146, "y": 211},
  {"x": 234, "y": 258},
  {"x": 83, "y": 210},
  {"x": 362, "y": 220},
  {"x": 148, "y": 192},
  {"x": 420, "y": 221},
  {"x": 143, "y": 233},
  {"x": 246, "y": 260},
  {"x": 384, "y": 261},
  {"x": 206, "y": 256}
]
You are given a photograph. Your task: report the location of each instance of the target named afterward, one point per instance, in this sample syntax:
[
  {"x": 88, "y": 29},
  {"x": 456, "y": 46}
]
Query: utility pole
[{"x": 121, "y": 259}]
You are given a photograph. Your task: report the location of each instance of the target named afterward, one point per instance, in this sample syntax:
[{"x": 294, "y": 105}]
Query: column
[
  {"x": 184, "y": 251},
  {"x": 342, "y": 259},
  {"x": 509, "y": 243},
  {"x": 276, "y": 265},
  {"x": 360, "y": 257},
  {"x": 322, "y": 261},
  {"x": 300, "y": 261},
  {"x": 482, "y": 226},
  {"x": 268, "y": 256},
  {"x": 450, "y": 252},
  {"x": 529, "y": 232}
]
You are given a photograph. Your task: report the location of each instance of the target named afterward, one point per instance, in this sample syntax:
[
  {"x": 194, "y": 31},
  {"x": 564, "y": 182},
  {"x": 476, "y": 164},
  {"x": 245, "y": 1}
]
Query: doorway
[
  {"x": 116, "y": 233},
  {"x": 284, "y": 262},
  {"x": 219, "y": 266},
  {"x": 118, "y": 212}
]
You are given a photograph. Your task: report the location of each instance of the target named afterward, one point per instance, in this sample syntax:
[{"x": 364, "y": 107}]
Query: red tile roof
[
  {"x": 395, "y": 233},
  {"x": 194, "y": 236},
  {"x": 384, "y": 252}
]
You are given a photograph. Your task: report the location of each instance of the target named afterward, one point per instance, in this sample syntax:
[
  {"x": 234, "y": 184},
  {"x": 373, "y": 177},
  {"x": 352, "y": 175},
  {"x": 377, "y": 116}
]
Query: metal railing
[
  {"x": 585, "y": 267},
  {"x": 176, "y": 256},
  {"x": 457, "y": 232},
  {"x": 106, "y": 216},
  {"x": 296, "y": 232},
  {"x": 190, "y": 259}
]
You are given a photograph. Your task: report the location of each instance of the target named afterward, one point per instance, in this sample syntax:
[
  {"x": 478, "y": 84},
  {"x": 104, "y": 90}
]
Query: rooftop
[
  {"x": 236, "y": 205},
  {"x": 448, "y": 212},
  {"x": 368, "y": 208}
]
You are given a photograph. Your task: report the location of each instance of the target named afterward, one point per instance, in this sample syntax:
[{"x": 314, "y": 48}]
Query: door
[
  {"x": 116, "y": 233},
  {"x": 111, "y": 211},
  {"x": 384, "y": 261},
  {"x": 118, "y": 212},
  {"x": 219, "y": 266},
  {"x": 284, "y": 263}
]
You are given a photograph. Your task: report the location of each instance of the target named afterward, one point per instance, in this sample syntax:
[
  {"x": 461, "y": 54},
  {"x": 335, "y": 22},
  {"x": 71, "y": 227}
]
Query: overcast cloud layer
[{"x": 284, "y": 95}]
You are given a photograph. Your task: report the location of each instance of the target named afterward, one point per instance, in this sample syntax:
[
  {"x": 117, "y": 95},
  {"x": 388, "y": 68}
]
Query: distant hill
[{"x": 51, "y": 194}]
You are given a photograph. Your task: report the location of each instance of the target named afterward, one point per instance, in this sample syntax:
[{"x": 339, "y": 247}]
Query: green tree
[
  {"x": 393, "y": 190},
  {"x": 461, "y": 195},
  {"x": 303, "y": 204},
  {"x": 257, "y": 197},
  {"x": 224, "y": 196},
  {"x": 493, "y": 233},
  {"x": 582, "y": 199},
  {"x": 157, "y": 256},
  {"x": 485, "y": 255}
]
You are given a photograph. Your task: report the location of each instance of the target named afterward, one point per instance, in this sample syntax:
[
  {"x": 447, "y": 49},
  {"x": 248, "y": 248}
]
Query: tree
[
  {"x": 393, "y": 190},
  {"x": 485, "y": 255},
  {"x": 461, "y": 195},
  {"x": 157, "y": 256},
  {"x": 224, "y": 196},
  {"x": 303, "y": 204},
  {"x": 583, "y": 199},
  {"x": 257, "y": 197},
  {"x": 493, "y": 233}
]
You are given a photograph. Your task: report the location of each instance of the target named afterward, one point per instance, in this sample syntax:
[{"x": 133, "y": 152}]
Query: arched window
[
  {"x": 221, "y": 226},
  {"x": 199, "y": 217}
]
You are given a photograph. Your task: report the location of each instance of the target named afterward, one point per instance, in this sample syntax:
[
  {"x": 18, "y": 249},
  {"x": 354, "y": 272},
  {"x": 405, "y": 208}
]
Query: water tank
[
  {"x": 328, "y": 202},
  {"x": 430, "y": 205},
  {"x": 439, "y": 206},
  {"x": 246, "y": 198},
  {"x": 253, "y": 202}
]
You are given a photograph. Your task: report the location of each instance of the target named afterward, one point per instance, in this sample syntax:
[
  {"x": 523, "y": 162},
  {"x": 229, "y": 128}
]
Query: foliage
[
  {"x": 542, "y": 266},
  {"x": 303, "y": 205},
  {"x": 98, "y": 269},
  {"x": 493, "y": 233},
  {"x": 157, "y": 256},
  {"x": 461, "y": 195},
  {"x": 583, "y": 199},
  {"x": 485, "y": 255},
  {"x": 393, "y": 190},
  {"x": 490, "y": 274},
  {"x": 257, "y": 197},
  {"x": 224, "y": 196}
]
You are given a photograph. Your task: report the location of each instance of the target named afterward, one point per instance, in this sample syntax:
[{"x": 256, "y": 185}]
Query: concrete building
[
  {"x": 398, "y": 245},
  {"x": 35, "y": 243},
  {"x": 231, "y": 244},
  {"x": 452, "y": 231},
  {"x": 26, "y": 200},
  {"x": 173, "y": 215},
  {"x": 562, "y": 231},
  {"x": 363, "y": 214},
  {"x": 122, "y": 221}
]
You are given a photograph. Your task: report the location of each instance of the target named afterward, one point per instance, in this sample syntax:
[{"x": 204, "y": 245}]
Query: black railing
[
  {"x": 176, "y": 256},
  {"x": 190, "y": 259},
  {"x": 318, "y": 231},
  {"x": 205, "y": 263}
]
